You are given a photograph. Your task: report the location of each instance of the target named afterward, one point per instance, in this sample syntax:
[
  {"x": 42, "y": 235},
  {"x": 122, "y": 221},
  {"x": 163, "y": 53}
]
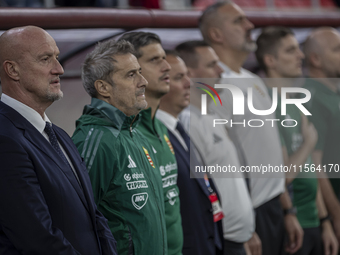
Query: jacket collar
[
  {"x": 148, "y": 122},
  {"x": 120, "y": 120}
]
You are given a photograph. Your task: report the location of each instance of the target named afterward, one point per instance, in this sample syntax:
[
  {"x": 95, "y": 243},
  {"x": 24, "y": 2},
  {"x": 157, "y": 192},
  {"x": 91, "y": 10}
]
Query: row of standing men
[{"x": 138, "y": 159}]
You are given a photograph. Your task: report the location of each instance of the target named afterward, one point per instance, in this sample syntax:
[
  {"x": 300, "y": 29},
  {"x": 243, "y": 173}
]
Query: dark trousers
[
  {"x": 233, "y": 248},
  {"x": 312, "y": 242},
  {"x": 270, "y": 226}
]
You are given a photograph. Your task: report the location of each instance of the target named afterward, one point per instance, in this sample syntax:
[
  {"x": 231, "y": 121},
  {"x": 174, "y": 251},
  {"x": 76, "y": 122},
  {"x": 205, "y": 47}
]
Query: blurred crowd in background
[{"x": 171, "y": 4}]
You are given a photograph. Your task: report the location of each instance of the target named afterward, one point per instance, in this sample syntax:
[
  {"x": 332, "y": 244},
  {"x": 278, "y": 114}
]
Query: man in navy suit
[
  {"x": 202, "y": 228},
  {"x": 46, "y": 198}
]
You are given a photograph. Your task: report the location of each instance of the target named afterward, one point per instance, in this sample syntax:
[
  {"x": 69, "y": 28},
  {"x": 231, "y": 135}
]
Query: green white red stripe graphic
[{"x": 212, "y": 89}]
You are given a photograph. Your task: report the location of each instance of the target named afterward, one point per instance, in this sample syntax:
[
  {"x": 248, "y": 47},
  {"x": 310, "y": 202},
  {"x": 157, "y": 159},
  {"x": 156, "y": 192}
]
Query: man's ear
[
  {"x": 191, "y": 72},
  {"x": 269, "y": 61},
  {"x": 215, "y": 34},
  {"x": 103, "y": 88},
  {"x": 315, "y": 60},
  {"x": 11, "y": 68}
]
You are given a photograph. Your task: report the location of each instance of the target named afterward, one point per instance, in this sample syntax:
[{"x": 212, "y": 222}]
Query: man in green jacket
[
  {"x": 122, "y": 165},
  {"x": 151, "y": 57},
  {"x": 280, "y": 57}
]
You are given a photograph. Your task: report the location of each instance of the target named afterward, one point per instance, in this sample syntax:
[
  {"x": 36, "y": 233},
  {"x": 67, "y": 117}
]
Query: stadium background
[{"x": 77, "y": 29}]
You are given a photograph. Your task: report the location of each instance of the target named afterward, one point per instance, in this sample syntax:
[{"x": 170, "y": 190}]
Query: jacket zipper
[
  {"x": 131, "y": 124},
  {"x": 154, "y": 191}
]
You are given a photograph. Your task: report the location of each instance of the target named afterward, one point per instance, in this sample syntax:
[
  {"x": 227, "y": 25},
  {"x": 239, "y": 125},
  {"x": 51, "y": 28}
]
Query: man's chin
[
  {"x": 163, "y": 92},
  {"x": 52, "y": 97},
  {"x": 217, "y": 81},
  {"x": 250, "y": 46},
  {"x": 142, "y": 105}
]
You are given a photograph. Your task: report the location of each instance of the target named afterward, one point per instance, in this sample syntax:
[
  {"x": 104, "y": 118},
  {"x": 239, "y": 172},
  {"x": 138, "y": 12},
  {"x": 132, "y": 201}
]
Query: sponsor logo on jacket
[{"x": 139, "y": 200}]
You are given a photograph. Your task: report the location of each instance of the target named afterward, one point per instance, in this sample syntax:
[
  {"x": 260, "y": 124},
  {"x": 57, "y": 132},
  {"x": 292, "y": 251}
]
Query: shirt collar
[
  {"x": 27, "y": 112},
  {"x": 228, "y": 73},
  {"x": 169, "y": 121}
]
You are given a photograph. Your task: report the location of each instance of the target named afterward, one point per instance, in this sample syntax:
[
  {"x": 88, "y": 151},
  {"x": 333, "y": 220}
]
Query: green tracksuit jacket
[
  {"x": 125, "y": 178},
  {"x": 157, "y": 134}
]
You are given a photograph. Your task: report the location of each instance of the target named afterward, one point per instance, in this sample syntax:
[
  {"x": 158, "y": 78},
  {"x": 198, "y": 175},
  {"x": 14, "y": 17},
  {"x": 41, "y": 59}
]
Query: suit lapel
[
  {"x": 65, "y": 143},
  {"x": 42, "y": 144},
  {"x": 38, "y": 140},
  {"x": 185, "y": 155},
  {"x": 180, "y": 151}
]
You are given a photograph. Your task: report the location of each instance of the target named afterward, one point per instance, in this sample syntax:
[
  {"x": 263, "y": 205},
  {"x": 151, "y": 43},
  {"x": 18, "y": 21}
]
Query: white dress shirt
[{"x": 171, "y": 123}]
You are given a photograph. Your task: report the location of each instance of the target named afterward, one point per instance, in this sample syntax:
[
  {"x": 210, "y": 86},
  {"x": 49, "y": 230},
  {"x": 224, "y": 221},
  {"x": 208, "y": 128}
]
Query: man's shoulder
[
  {"x": 244, "y": 73},
  {"x": 319, "y": 94},
  {"x": 8, "y": 130},
  {"x": 142, "y": 138},
  {"x": 315, "y": 87},
  {"x": 95, "y": 129},
  {"x": 101, "y": 138},
  {"x": 5, "y": 121},
  {"x": 8, "y": 115},
  {"x": 160, "y": 126},
  {"x": 248, "y": 74},
  {"x": 310, "y": 85},
  {"x": 8, "y": 125},
  {"x": 244, "y": 79}
]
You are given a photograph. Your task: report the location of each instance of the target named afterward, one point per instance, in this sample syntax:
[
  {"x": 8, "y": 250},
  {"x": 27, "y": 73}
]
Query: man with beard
[
  {"x": 151, "y": 58},
  {"x": 226, "y": 29},
  {"x": 122, "y": 166},
  {"x": 47, "y": 204},
  {"x": 322, "y": 49}
]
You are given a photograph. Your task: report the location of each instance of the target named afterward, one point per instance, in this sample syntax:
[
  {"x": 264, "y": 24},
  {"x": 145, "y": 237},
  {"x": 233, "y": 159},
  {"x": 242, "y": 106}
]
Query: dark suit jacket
[
  {"x": 43, "y": 209},
  {"x": 196, "y": 209}
]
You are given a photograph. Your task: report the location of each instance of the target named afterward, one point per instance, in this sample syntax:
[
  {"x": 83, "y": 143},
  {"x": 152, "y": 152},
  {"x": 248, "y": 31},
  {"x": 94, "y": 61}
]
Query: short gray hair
[
  {"x": 207, "y": 17},
  {"x": 99, "y": 64}
]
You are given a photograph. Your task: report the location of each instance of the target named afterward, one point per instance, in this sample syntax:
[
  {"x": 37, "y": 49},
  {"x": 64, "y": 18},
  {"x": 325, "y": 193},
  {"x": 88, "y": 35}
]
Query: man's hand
[
  {"x": 255, "y": 245},
  {"x": 295, "y": 233},
  {"x": 336, "y": 227},
  {"x": 246, "y": 248},
  {"x": 330, "y": 243}
]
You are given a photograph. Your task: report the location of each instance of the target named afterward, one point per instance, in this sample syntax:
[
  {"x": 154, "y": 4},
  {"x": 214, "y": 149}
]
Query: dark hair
[
  {"x": 207, "y": 16},
  {"x": 187, "y": 51},
  {"x": 171, "y": 52},
  {"x": 140, "y": 39},
  {"x": 99, "y": 64},
  {"x": 268, "y": 42}
]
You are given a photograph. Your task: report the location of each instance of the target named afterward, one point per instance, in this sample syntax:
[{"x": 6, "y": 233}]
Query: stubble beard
[
  {"x": 143, "y": 104},
  {"x": 52, "y": 97}
]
